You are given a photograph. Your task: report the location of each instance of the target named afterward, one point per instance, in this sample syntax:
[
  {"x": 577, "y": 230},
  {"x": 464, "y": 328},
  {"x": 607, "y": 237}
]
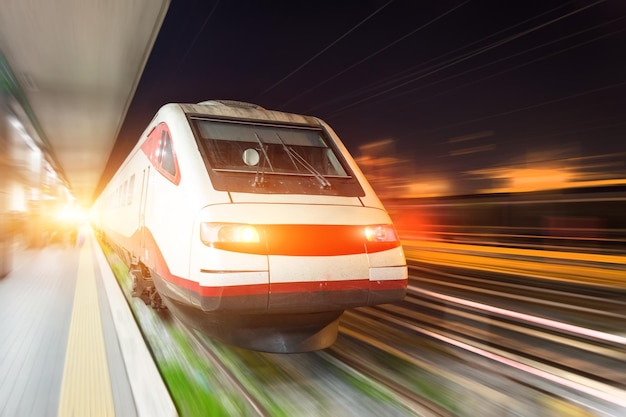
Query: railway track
[
  {"x": 564, "y": 340},
  {"x": 206, "y": 377},
  {"x": 328, "y": 382},
  {"x": 462, "y": 344},
  {"x": 420, "y": 404},
  {"x": 254, "y": 406}
]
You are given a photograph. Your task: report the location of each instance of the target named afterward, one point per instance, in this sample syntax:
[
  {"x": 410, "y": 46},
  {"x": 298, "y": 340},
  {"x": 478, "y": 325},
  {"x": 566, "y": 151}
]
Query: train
[{"x": 254, "y": 226}]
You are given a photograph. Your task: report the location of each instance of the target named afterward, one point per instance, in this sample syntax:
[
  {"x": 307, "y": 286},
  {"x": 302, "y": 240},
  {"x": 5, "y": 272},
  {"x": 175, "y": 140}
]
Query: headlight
[
  {"x": 228, "y": 233},
  {"x": 380, "y": 233}
]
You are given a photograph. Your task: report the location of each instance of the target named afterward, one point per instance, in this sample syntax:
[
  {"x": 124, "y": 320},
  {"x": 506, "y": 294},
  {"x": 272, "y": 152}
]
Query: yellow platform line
[{"x": 86, "y": 387}]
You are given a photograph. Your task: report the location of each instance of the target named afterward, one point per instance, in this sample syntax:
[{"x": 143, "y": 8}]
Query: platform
[{"x": 69, "y": 345}]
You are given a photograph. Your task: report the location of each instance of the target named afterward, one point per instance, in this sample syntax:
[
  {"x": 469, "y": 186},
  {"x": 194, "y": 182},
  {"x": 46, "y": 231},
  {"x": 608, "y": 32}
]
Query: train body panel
[{"x": 242, "y": 217}]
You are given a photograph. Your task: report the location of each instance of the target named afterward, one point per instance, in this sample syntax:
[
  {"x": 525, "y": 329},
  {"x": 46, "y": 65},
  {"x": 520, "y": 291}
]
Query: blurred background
[{"x": 493, "y": 132}]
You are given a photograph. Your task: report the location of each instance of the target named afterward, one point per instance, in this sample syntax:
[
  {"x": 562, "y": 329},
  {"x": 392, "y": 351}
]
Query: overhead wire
[
  {"x": 325, "y": 49},
  {"x": 515, "y": 67},
  {"x": 462, "y": 58},
  {"x": 425, "y": 25},
  {"x": 532, "y": 106},
  {"x": 529, "y": 62},
  {"x": 195, "y": 39},
  {"x": 416, "y": 69}
]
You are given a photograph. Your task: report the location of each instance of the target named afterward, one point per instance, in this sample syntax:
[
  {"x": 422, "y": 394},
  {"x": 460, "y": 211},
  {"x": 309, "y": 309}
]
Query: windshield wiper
[
  {"x": 260, "y": 182},
  {"x": 296, "y": 157}
]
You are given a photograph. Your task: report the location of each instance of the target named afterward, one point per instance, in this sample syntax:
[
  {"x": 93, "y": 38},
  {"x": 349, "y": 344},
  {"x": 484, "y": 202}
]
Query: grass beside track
[{"x": 195, "y": 390}]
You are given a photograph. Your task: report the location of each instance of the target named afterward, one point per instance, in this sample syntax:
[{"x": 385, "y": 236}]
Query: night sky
[{"x": 459, "y": 86}]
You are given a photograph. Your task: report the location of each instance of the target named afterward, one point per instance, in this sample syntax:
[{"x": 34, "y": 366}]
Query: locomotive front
[{"x": 302, "y": 237}]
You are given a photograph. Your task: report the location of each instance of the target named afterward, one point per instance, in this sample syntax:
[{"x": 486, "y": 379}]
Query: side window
[
  {"x": 159, "y": 151},
  {"x": 167, "y": 155},
  {"x": 159, "y": 148}
]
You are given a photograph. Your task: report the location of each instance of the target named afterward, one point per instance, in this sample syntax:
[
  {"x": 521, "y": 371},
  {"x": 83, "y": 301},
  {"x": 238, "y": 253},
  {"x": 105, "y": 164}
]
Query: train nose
[
  {"x": 300, "y": 268},
  {"x": 333, "y": 267}
]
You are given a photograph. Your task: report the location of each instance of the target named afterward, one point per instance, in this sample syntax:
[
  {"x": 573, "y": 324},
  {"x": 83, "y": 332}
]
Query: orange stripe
[{"x": 309, "y": 240}]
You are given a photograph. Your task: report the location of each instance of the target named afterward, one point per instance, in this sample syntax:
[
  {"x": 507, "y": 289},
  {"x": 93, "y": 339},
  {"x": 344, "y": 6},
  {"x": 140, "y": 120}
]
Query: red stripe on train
[{"x": 297, "y": 287}]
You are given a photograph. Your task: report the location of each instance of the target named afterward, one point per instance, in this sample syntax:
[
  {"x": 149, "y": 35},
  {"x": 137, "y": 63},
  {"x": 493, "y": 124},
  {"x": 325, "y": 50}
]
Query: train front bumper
[
  {"x": 301, "y": 284},
  {"x": 276, "y": 264}
]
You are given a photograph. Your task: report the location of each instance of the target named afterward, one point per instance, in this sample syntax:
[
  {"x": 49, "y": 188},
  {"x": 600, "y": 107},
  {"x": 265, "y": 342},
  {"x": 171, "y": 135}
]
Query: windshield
[{"x": 282, "y": 149}]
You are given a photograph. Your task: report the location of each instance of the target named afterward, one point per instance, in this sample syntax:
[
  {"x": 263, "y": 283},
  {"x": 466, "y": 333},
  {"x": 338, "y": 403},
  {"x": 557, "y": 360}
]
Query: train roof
[{"x": 249, "y": 111}]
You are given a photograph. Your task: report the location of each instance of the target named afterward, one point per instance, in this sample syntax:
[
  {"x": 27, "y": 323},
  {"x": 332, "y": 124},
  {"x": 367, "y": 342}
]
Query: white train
[{"x": 253, "y": 226}]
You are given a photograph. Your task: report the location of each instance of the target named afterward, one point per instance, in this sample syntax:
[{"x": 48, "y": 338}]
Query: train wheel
[
  {"x": 155, "y": 300},
  {"x": 140, "y": 287},
  {"x": 138, "y": 282}
]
